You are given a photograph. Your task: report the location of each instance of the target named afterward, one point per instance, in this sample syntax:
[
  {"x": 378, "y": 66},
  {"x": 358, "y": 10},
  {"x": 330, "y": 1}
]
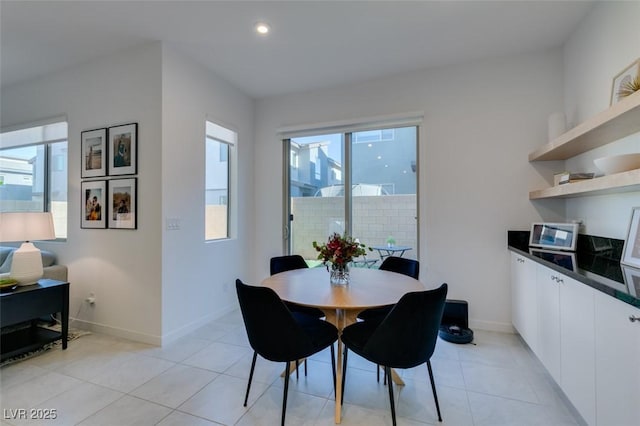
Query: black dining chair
[
  {"x": 406, "y": 337},
  {"x": 277, "y": 334},
  {"x": 288, "y": 263},
  {"x": 400, "y": 265}
]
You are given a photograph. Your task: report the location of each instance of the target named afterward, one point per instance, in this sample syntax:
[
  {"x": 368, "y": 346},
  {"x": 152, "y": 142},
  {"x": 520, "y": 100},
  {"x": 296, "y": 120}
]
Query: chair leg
[
  {"x": 286, "y": 391},
  {"x": 253, "y": 366},
  {"x": 393, "y": 405},
  {"x": 378, "y": 372},
  {"x": 433, "y": 388},
  {"x": 344, "y": 373},
  {"x": 333, "y": 365},
  {"x": 297, "y": 365},
  {"x": 305, "y": 367}
]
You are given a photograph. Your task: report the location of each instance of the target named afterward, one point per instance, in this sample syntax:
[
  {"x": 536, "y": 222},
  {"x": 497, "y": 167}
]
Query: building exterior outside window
[{"x": 33, "y": 171}]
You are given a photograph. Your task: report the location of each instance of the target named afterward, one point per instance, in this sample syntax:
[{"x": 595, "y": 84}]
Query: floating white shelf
[{"x": 622, "y": 119}]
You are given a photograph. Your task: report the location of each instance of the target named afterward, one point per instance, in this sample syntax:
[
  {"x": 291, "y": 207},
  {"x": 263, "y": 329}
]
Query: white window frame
[
  {"x": 229, "y": 137},
  {"x": 19, "y": 136}
]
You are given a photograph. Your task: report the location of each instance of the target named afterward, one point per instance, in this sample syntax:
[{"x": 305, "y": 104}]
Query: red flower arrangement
[{"x": 339, "y": 250}]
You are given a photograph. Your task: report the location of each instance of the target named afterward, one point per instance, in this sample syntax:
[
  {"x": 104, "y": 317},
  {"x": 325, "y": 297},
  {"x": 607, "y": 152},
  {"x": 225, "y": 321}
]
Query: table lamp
[{"x": 26, "y": 266}]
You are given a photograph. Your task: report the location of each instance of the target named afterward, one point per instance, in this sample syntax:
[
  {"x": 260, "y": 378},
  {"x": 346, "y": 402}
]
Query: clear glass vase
[{"x": 339, "y": 275}]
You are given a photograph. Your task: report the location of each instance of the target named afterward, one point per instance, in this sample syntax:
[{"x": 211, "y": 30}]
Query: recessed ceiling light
[{"x": 262, "y": 28}]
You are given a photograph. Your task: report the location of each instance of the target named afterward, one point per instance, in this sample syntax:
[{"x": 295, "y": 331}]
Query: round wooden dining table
[{"x": 368, "y": 288}]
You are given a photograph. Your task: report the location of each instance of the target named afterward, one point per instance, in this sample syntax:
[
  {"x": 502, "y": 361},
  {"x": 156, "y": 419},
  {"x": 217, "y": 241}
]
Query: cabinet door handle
[{"x": 634, "y": 318}]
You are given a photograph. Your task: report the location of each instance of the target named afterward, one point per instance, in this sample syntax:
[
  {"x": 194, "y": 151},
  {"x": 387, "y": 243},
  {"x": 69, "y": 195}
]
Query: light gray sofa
[{"x": 50, "y": 268}]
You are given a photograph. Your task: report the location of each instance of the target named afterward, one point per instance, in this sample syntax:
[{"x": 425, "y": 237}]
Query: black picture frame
[
  {"x": 123, "y": 149},
  {"x": 93, "y": 197},
  {"x": 93, "y": 153},
  {"x": 123, "y": 205}
]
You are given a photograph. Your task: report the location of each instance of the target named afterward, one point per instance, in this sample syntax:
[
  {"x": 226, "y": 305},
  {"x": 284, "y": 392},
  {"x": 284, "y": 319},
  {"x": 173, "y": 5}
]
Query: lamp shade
[{"x": 26, "y": 226}]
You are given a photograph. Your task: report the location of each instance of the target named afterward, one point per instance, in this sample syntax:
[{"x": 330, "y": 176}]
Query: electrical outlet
[{"x": 91, "y": 299}]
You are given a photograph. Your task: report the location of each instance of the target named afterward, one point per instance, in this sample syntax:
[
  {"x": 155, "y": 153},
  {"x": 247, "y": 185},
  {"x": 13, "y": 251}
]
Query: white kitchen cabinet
[
  {"x": 577, "y": 347},
  {"x": 548, "y": 342},
  {"x": 524, "y": 298},
  {"x": 617, "y": 362}
]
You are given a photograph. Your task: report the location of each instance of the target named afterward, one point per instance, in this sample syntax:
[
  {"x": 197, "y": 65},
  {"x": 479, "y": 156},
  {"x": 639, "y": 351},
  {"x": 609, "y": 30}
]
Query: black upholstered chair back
[
  {"x": 273, "y": 332},
  {"x": 401, "y": 265},
  {"x": 407, "y": 336},
  {"x": 287, "y": 263}
]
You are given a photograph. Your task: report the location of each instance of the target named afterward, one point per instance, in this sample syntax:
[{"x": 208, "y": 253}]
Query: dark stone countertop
[{"x": 596, "y": 263}]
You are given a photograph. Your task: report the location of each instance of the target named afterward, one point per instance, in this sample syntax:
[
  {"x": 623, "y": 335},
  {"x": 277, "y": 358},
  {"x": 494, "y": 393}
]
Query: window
[
  {"x": 33, "y": 166},
  {"x": 374, "y": 136},
  {"x": 368, "y": 190},
  {"x": 219, "y": 144}
]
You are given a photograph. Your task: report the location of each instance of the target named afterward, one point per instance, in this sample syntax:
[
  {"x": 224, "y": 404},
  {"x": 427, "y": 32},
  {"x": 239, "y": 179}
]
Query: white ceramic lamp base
[{"x": 26, "y": 266}]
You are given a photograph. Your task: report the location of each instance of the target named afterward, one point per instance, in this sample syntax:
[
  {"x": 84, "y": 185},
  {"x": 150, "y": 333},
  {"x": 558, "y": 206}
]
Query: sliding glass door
[
  {"x": 361, "y": 183},
  {"x": 384, "y": 190}
]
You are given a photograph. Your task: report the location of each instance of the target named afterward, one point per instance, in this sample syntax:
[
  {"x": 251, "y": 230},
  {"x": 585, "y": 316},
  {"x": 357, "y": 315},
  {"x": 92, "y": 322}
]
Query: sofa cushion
[
  {"x": 6, "y": 254},
  {"x": 48, "y": 258}
]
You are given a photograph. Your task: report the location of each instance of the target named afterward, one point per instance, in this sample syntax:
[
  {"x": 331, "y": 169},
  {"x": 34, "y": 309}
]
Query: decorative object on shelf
[
  {"x": 94, "y": 195},
  {"x": 123, "y": 147},
  {"x": 557, "y": 177},
  {"x": 339, "y": 251},
  {"x": 94, "y": 153},
  {"x": 26, "y": 266},
  {"x": 575, "y": 177},
  {"x": 556, "y": 125},
  {"x": 122, "y": 203},
  {"x": 631, "y": 250},
  {"x": 626, "y": 83},
  {"x": 618, "y": 163}
]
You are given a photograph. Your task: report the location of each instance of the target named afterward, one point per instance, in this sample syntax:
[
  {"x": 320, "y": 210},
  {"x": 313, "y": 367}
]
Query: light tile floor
[{"x": 201, "y": 380}]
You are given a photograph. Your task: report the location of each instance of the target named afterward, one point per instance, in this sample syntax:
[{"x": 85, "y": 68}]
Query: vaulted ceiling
[{"x": 312, "y": 44}]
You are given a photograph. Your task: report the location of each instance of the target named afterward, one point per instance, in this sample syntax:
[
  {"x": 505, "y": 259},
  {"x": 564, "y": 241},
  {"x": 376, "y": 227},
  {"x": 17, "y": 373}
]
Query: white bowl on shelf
[{"x": 618, "y": 163}]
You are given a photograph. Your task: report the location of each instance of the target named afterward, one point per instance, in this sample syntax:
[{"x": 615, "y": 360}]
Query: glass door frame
[{"x": 348, "y": 201}]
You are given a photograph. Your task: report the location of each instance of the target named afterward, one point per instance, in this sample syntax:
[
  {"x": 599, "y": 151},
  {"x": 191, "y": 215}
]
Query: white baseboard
[
  {"x": 148, "y": 338},
  {"x": 193, "y": 326},
  {"x": 116, "y": 332},
  {"x": 501, "y": 327}
]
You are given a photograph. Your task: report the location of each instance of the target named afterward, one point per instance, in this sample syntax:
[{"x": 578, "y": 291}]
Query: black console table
[{"x": 27, "y": 303}]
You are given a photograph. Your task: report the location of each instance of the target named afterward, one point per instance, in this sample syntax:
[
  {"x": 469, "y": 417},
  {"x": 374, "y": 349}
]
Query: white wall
[
  {"x": 604, "y": 44},
  {"x": 481, "y": 121},
  {"x": 121, "y": 267},
  {"x": 151, "y": 284},
  {"x": 198, "y": 276}
]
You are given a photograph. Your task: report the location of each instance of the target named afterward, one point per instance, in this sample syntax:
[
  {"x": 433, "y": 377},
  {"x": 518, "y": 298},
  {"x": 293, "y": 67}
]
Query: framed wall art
[
  {"x": 625, "y": 83},
  {"x": 631, "y": 250},
  {"x": 123, "y": 203},
  {"x": 94, "y": 153},
  {"x": 123, "y": 147},
  {"x": 632, "y": 278},
  {"x": 94, "y": 195}
]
